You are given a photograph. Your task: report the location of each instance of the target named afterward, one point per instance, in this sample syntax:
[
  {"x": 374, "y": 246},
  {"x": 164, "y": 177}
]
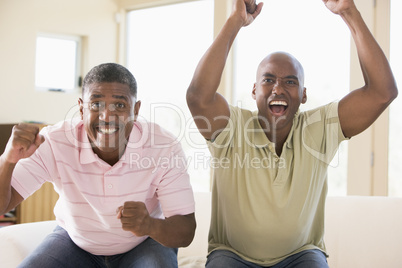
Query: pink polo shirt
[{"x": 152, "y": 170}]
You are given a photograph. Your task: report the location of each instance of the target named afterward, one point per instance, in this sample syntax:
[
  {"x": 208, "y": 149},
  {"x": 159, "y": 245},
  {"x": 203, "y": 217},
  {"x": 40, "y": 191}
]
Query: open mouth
[{"x": 278, "y": 107}]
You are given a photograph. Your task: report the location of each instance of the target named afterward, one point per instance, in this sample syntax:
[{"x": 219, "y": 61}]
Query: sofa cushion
[
  {"x": 17, "y": 241},
  {"x": 199, "y": 246},
  {"x": 363, "y": 231},
  {"x": 360, "y": 232},
  {"x": 192, "y": 262}
]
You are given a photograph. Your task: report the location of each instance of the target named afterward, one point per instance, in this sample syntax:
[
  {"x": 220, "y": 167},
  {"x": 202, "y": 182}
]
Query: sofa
[{"x": 361, "y": 232}]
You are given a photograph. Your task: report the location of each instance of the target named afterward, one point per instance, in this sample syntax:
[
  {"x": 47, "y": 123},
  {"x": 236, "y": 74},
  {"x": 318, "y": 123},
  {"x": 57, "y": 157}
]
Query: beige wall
[{"x": 20, "y": 21}]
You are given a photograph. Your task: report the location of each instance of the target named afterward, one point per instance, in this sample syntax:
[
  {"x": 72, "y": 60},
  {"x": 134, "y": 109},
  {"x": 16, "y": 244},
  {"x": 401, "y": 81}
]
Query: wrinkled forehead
[
  {"x": 281, "y": 65},
  {"x": 107, "y": 89}
]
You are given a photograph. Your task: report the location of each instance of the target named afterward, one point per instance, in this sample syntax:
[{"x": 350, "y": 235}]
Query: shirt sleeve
[
  {"x": 225, "y": 139},
  {"x": 174, "y": 191},
  {"x": 322, "y": 132},
  {"x": 30, "y": 173}
]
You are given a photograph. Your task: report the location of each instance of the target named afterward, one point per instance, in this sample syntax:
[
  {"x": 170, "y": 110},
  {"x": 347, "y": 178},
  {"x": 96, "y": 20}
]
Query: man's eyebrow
[
  {"x": 99, "y": 96},
  {"x": 268, "y": 75},
  {"x": 96, "y": 96},
  {"x": 120, "y": 97},
  {"x": 291, "y": 76}
]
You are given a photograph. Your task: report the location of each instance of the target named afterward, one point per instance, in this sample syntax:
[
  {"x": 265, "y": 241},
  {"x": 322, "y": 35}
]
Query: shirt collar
[
  {"x": 257, "y": 134},
  {"x": 87, "y": 155},
  {"x": 136, "y": 141}
]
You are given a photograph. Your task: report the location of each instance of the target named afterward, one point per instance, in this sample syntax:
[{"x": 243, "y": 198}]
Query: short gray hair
[{"x": 110, "y": 72}]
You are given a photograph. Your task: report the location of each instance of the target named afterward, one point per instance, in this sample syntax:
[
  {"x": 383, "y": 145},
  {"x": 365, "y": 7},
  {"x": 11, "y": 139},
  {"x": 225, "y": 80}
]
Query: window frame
[
  {"x": 78, "y": 61},
  {"x": 367, "y": 152}
]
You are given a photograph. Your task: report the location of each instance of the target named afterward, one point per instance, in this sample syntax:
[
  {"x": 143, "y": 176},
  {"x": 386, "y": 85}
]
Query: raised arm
[
  {"x": 210, "y": 109},
  {"x": 361, "y": 107},
  {"x": 24, "y": 141}
]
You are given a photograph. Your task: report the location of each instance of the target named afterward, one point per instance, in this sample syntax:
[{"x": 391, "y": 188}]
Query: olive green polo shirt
[{"x": 267, "y": 207}]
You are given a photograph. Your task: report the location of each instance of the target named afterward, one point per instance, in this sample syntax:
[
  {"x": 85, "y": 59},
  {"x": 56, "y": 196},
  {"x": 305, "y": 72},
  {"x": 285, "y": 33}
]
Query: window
[
  {"x": 163, "y": 56},
  {"x": 57, "y": 63},
  {"x": 395, "y": 148},
  {"x": 322, "y": 48}
]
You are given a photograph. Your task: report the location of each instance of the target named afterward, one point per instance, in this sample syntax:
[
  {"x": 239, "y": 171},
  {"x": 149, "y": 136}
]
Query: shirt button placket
[{"x": 108, "y": 183}]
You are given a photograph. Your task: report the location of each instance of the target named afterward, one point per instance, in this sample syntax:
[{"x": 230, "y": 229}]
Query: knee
[
  {"x": 312, "y": 259},
  {"x": 152, "y": 254},
  {"x": 156, "y": 260},
  {"x": 223, "y": 258}
]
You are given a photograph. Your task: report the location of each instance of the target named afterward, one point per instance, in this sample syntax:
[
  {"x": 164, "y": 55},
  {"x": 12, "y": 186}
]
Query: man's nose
[
  {"x": 278, "y": 88},
  {"x": 108, "y": 113}
]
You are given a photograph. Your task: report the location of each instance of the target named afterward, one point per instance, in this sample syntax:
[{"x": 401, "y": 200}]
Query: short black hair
[{"x": 110, "y": 72}]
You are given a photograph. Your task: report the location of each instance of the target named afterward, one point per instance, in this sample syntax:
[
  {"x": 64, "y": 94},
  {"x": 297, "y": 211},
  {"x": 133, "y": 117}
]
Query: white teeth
[
  {"x": 278, "y": 103},
  {"x": 107, "y": 130}
]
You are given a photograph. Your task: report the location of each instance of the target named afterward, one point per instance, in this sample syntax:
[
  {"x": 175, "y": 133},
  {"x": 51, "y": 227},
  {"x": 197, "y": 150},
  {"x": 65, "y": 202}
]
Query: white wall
[{"x": 20, "y": 21}]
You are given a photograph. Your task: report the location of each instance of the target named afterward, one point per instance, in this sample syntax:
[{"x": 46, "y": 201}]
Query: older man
[{"x": 113, "y": 210}]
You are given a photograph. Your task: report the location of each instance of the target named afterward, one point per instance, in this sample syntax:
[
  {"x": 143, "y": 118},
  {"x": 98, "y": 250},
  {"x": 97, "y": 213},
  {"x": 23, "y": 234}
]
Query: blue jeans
[
  {"x": 58, "y": 250},
  {"x": 305, "y": 259}
]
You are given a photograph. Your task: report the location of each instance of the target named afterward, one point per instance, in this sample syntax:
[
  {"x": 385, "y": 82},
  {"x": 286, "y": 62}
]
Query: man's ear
[
  {"x": 81, "y": 104},
  {"x": 304, "y": 98},
  {"x": 137, "y": 107},
  {"x": 253, "y": 92}
]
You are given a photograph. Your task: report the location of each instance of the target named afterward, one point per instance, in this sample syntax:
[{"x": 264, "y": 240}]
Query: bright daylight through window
[
  {"x": 163, "y": 57},
  {"x": 57, "y": 63}
]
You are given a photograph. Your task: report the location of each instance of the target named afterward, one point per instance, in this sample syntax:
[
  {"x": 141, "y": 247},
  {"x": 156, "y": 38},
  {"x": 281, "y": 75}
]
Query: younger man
[{"x": 268, "y": 200}]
